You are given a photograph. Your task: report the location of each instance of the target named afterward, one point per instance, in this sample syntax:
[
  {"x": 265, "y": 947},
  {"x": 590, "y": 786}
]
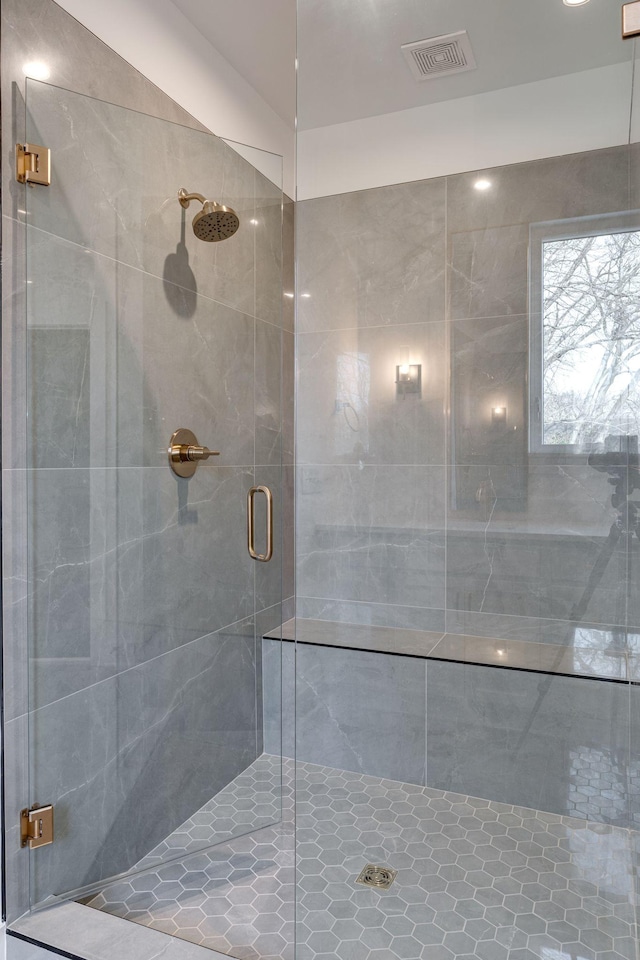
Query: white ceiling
[
  {"x": 350, "y": 64},
  {"x": 258, "y": 38}
]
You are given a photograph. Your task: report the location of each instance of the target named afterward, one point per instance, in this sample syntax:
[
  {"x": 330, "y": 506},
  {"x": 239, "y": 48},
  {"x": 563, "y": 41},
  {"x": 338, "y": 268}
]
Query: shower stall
[
  {"x": 468, "y": 264},
  {"x": 426, "y": 747}
]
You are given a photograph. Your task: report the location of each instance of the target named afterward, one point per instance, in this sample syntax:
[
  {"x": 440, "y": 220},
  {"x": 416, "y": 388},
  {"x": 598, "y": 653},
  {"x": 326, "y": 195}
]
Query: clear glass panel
[
  {"x": 466, "y": 583},
  {"x": 146, "y": 610}
]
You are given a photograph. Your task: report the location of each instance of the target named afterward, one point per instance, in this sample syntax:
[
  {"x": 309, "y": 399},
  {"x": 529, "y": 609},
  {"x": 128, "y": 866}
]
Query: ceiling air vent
[{"x": 438, "y": 56}]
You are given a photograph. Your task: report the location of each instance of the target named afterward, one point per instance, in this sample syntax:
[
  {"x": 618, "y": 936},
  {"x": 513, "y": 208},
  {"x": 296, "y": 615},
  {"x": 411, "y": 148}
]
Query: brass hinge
[
  {"x": 631, "y": 19},
  {"x": 36, "y": 826},
  {"x": 33, "y": 164}
]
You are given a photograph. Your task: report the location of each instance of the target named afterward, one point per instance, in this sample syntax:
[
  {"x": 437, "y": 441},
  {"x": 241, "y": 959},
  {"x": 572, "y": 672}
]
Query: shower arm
[{"x": 186, "y": 198}]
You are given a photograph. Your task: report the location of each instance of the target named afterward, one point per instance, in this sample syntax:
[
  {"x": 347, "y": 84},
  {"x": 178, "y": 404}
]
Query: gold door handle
[
  {"x": 185, "y": 453},
  {"x": 262, "y": 557}
]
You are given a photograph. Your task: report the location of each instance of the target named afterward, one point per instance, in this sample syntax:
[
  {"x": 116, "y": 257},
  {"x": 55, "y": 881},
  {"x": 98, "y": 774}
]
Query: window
[{"x": 584, "y": 333}]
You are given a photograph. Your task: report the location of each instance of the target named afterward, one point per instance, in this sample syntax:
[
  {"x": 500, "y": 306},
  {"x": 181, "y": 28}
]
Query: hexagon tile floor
[{"x": 476, "y": 879}]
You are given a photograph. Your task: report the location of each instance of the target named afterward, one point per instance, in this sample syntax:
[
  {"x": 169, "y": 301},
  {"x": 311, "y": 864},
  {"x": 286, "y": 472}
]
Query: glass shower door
[{"x": 146, "y": 610}]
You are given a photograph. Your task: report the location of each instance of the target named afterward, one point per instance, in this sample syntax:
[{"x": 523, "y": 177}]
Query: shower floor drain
[{"x": 377, "y": 876}]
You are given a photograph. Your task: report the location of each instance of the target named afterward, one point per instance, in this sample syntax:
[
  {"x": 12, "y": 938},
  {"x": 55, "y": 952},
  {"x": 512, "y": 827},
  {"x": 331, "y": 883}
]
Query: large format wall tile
[
  {"x": 60, "y": 404},
  {"x": 71, "y": 357},
  {"x": 581, "y": 635},
  {"x": 186, "y": 572},
  {"x": 111, "y": 356},
  {"x": 288, "y": 534},
  {"x": 351, "y": 406},
  {"x": 137, "y": 219},
  {"x": 150, "y": 746},
  {"x": 288, "y": 264},
  {"x": 633, "y": 597},
  {"x": 288, "y": 397},
  {"x": 268, "y": 222},
  {"x": 66, "y": 552},
  {"x": 488, "y": 271},
  {"x": 268, "y": 576},
  {"x": 278, "y": 701},
  {"x": 14, "y": 346},
  {"x": 373, "y": 257},
  {"x": 176, "y": 371},
  {"x": 15, "y": 595},
  {"x": 363, "y": 712},
  {"x": 126, "y": 565},
  {"x": 372, "y": 533},
  {"x": 489, "y": 230},
  {"x": 367, "y": 612},
  {"x": 553, "y": 743},
  {"x": 576, "y": 185},
  {"x": 268, "y": 394},
  {"x": 16, "y": 789},
  {"x": 634, "y": 763},
  {"x": 552, "y": 561},
  {"x": 489, "y": 368}
]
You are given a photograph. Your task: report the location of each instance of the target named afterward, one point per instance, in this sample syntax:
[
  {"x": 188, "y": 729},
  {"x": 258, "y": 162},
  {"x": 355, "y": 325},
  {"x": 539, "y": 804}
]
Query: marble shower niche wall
[{"x": 421, "y": 510}]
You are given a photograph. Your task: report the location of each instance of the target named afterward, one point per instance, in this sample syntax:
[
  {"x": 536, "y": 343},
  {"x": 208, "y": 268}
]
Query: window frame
[{"x": 539, "y": 234}]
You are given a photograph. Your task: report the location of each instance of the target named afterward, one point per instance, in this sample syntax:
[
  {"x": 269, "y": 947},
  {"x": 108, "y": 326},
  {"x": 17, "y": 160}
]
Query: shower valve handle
[
  {"x": 185, "y": 453},
  {"x": 193, "y": 452}
]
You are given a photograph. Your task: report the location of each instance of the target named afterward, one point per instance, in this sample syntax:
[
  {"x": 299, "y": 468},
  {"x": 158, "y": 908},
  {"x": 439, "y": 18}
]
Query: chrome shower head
[{"x": 214, "y": 222}]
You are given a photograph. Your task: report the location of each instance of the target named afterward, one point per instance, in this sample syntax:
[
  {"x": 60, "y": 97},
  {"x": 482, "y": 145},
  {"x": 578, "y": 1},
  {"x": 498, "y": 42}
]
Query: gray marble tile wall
[
  {"x": 554, "y": 743},
  {"x": 371, "y": 482},
  {"x": 149, "y": 744},
  {"x": 144, "y": 606},
  {"x": 410, "y": 505},
  {"x": 415, "y": 510}
]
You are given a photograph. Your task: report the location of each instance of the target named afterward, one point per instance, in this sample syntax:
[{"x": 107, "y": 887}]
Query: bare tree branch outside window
[{"x": 591, "y": 317}]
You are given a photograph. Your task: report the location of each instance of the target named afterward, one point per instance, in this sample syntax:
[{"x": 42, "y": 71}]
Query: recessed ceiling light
[
  {"x": 482, "y": 184},
  {"x": 37, "y": 70},
  {"x": 574, "y": 3}
]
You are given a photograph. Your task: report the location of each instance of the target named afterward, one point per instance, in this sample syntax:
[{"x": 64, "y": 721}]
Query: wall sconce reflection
[
  {"x": 409, "y": 379},
  {"x": 498, "y": 414}
]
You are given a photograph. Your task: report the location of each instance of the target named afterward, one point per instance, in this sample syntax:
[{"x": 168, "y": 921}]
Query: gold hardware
[
  {"x": 36, "y": 826},
  {"x": 631, "y": 20},
  {"x": 185, "y": 453},
  {"x": 33, "y": 164},
  {"x": 214, "y": 222},
  {"x": 185, "y": 197},
  {"x": 262, "y": 557}
]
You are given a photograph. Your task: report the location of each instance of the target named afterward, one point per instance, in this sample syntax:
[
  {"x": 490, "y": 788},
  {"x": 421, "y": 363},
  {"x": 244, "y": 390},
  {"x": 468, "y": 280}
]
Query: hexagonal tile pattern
[
  {"x": 252, "y": 801},
  {"x": 476, "y": 879}
]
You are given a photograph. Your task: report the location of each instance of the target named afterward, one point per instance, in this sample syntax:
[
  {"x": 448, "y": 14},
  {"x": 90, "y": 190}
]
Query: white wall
[
  {"x": 569, "y": 114},
  {"x": 159, "y": 41}
]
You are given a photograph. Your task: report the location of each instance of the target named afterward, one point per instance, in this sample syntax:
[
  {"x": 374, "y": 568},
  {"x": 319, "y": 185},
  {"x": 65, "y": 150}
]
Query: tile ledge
[{"x": 527, "y": 655}]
